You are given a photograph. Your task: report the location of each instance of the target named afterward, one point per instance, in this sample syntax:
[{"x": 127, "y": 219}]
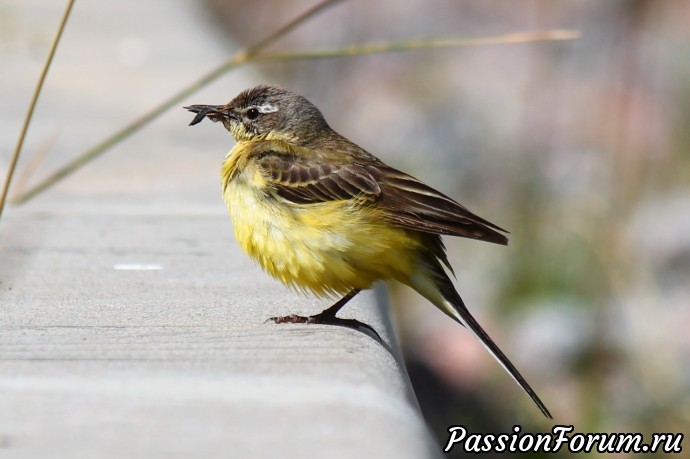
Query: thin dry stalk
[
  {"x": 236, "y": 60},
  {"x": 32, "y": 105},
  {"x": 253, "y": 54}
]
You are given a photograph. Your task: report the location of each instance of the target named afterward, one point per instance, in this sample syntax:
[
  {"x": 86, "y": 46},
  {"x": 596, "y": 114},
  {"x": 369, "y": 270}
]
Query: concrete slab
[{"x": 128, "y": 335}]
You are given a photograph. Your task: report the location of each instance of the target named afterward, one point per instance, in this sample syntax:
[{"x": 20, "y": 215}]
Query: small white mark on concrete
[{"x": 136, "y": 267}]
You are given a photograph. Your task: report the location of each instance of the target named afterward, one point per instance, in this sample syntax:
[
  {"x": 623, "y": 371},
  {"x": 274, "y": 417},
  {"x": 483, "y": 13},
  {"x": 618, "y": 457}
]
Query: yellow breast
[{"x": 328, "y": 248}]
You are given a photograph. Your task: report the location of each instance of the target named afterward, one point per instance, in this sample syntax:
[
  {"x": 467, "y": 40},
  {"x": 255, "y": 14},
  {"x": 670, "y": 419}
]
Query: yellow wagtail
[{"x": 319, "y": 213}]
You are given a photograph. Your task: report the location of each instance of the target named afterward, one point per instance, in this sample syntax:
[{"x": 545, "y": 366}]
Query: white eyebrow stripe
[{"x": 268, "y": 108}]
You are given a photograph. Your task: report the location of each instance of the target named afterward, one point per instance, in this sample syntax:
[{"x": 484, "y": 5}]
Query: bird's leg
[
  {"x": 323, "y": 317},
  {"x": 331, "y": 311},
  {"x": 327, "y": 317}
]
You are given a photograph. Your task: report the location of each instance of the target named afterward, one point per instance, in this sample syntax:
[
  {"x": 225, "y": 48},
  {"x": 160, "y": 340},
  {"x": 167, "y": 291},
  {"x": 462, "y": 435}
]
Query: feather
[{"x": 403, "y": 200}]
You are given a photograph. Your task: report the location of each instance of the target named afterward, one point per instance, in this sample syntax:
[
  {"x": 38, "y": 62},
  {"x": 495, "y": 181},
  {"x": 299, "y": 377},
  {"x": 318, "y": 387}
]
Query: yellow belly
[{"x": 328, "y": 248}]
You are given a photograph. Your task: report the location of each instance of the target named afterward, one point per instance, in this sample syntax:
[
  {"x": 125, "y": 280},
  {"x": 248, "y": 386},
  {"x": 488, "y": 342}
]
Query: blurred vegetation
[{"x": 580, "y": 149}]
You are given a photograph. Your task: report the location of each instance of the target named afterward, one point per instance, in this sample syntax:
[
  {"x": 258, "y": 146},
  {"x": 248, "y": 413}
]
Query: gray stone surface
[
  {"x": 101, "y": 356},
  {"x": 130, "y": 323}
]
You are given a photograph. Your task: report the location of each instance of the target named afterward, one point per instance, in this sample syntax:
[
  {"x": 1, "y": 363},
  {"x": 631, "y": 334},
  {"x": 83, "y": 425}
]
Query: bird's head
[{"x": 266, "y": 112}]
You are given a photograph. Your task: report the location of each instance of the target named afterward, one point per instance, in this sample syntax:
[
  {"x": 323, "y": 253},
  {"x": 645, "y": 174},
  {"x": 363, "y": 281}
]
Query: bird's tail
[{"x": 436, "y": 286}]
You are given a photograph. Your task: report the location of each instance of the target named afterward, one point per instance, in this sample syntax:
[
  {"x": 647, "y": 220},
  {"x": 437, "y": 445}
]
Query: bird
[{"x": 322, "y": 215}]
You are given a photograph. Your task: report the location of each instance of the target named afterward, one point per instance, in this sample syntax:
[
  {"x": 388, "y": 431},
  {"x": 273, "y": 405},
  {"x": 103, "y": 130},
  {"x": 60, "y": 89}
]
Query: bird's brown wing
[
  {"x": 404, "y": 200},
  {"x": 412, "y": 204},
  {"x": 304, "y": 182}
]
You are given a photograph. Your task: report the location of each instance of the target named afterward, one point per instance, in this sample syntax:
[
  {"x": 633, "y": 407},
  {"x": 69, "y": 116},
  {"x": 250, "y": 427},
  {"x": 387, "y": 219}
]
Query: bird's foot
[
  {"x": 326, "y": 319},
  {"x": 291, "y": 319}
]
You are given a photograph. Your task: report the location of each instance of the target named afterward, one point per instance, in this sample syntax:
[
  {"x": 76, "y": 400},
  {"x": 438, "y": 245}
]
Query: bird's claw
[{"x": 326, "y": 319}]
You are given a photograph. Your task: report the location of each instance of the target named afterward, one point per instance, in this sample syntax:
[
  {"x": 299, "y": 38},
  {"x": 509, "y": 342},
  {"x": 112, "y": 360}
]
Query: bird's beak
[{"x": 213, "y": 112}]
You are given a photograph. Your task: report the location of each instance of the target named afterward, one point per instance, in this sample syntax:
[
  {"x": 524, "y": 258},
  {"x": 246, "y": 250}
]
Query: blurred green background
[{"x": 580, "y": 148}]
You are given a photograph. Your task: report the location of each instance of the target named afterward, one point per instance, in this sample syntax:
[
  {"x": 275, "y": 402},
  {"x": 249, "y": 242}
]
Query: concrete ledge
[{"x": 136, "y": 334}]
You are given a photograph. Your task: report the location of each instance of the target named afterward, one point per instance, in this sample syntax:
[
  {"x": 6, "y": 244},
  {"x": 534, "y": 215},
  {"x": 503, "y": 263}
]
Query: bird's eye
[{"x": 253, "y": 113}]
